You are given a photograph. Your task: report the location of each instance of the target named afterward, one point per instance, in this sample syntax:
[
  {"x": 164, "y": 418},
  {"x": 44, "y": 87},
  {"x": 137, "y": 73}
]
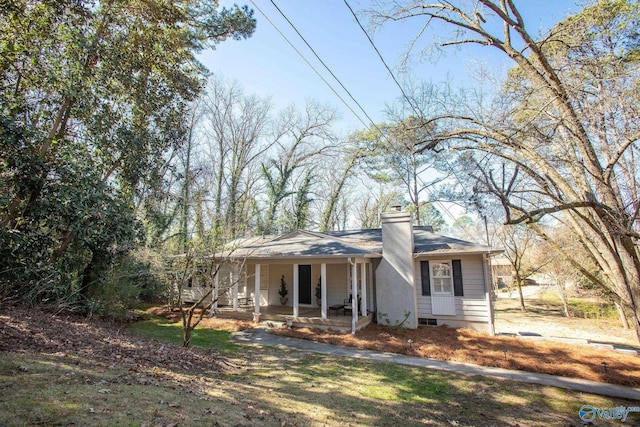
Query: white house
[{"x": 402, "y": 274}]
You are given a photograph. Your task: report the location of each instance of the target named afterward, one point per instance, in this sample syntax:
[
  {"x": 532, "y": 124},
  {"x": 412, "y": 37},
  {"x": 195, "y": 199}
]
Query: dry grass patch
[
  {"x": 467, "y": 346},
  {"x": 229, "y": 325}
]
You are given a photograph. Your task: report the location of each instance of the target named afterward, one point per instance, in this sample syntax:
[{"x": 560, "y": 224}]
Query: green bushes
[
  {"x": 587, "y": 309},
  {"x": 127, "y": 283}
]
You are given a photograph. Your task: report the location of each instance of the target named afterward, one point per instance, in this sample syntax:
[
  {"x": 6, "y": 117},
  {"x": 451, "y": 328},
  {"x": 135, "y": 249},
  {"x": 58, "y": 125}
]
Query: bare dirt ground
[{"x": 548, "y": 321}]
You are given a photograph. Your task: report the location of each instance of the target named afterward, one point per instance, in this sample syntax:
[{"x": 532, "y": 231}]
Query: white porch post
[
  {"x": 295, "y": 290},
  {"x": 234, "y": 279},
  {"x": 323, "y": 290},
  {"x": 214, "y": 293},
  {"x": 363, "y": 281},
  {"x": 216, "y": 290},
  {"x": 256, "y": 291},
  {"x": 354, "y": 297}
]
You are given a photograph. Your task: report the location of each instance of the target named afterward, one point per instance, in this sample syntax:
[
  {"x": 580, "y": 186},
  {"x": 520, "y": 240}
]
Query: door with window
[
  {"x": 442, "y": 298},
  {"x": 442, "y": 281}
]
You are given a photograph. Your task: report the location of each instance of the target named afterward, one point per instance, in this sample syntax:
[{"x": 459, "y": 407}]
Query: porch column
[
  {"x": 323, "y": 291},
  {"x": 354, "y": 296},
  {"x": 214, "y": 293},
  {"x": 234, "y": 280},
  {"x": 363, "y": 281},
  {"x": 295, "y": 290},
  {"x": 256, "y": 292}
]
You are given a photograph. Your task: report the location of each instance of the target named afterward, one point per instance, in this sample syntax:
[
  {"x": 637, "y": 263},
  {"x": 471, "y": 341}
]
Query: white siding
[
  {"x": 336, "y": 283},
  {"x": 275, "y": 274},
  {"x": 472, "y": 307},
  {"x": 337, "y": 280}
]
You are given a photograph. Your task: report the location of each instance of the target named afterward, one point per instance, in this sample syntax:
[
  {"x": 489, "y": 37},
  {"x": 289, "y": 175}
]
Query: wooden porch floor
[{"x": 307, "y": 316}]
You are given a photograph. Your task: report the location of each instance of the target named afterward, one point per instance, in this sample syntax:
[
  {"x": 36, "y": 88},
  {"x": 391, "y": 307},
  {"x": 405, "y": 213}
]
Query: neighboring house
[
  {"x": 404, "y": 274},
  {"x": 502, "y": 271}
]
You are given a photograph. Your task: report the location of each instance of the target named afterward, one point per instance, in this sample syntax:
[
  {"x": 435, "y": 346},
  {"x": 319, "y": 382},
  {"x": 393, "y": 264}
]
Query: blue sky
[{"x": 266, "y": 65}]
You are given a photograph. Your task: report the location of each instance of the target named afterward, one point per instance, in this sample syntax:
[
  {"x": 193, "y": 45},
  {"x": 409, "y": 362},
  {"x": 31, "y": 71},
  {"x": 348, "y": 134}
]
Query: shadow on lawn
[
  {"x": 466, "y": 346},
  {"x": 357, "y": 392}
]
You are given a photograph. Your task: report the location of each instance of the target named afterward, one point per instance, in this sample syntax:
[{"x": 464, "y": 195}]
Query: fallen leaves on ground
[
  {"x": 102, "y": 341},
  {"x": 468, "y": 346},
  {"x": 174, "y": 315}
]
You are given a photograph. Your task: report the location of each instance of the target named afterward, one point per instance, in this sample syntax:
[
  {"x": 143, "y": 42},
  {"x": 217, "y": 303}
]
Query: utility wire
[
  {"x": 405, "y": 96},
  {"x": 311, "y": 65},
  {"x": 322, "y": 62}
]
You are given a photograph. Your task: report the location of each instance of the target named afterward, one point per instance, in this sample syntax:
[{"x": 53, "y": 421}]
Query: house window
[
  {"x": 427, "y": 322},
  {"x": 441, "y": 277}
]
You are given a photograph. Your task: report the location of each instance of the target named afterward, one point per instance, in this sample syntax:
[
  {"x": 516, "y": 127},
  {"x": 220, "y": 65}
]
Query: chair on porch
[
  {"x": 245, "y": 301},
  {"x": 348, "y": 304}
]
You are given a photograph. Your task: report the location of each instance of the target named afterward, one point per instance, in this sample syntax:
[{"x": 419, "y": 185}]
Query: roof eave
[
  {"x": 459, "y": 252},
  {"x": 307, "y": 256}
]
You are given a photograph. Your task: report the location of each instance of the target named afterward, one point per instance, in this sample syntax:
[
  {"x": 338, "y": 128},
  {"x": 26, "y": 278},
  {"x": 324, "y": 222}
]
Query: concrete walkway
[{"x": 261, "y": 336}]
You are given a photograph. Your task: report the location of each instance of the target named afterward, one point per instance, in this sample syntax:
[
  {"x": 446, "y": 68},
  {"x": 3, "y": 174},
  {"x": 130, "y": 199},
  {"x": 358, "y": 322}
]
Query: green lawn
[
  {"x": 268, "y": 387},
  {"x": 276, "y": 388},
  {"x": 165, "y": 330}
]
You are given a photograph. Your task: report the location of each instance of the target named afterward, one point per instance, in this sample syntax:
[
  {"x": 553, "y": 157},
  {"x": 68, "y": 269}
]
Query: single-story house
[{"x": 402, "y": 274}]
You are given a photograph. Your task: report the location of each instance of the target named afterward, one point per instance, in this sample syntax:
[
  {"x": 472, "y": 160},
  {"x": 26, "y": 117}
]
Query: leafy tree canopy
[{"x": 92, "y": 94}]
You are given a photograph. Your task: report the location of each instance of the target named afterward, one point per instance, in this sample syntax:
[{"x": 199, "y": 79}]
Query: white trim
[
  {"x": 323, "y": 290},
  {"x": 296, "y": 310},
  {"x": 256, "y": 291},
  {"x": 233, "y": 275},
  {"x": 354, "y": 296},
  {"x": 363, "y": 288},
  {"x": 431, "y": 276}
]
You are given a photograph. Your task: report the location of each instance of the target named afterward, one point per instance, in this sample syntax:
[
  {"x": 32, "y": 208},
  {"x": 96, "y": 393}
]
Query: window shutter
[
  {"x": 456, "y": 265},
  {"x": 426, "y": 282}
]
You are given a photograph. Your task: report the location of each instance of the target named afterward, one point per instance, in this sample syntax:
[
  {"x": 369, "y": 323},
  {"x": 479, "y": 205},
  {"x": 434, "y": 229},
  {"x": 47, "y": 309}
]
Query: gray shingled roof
[
  {"x": 350, "y": 243},
  {"x": 301, "y": 244},
  {"x": 426, "y": 241}
]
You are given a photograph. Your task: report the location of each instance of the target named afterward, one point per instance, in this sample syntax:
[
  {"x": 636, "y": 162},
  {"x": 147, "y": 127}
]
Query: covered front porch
[
  {"x": 325, "y": 293},
  {"x": 337, "y": 318}
]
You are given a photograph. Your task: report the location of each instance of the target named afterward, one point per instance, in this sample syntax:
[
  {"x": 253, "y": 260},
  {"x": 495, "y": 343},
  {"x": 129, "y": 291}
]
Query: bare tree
[
  {"x": 374, "y": 202},
  {"x": 299, "y": 140},
  {"x": 200, "y": 268},
  {"x": 568, "y": 119},
  {"x": 234, "y": 127},
  {"x": 336, "y": 184},
  {"x": 394, "y": 156},
  {"x": 519, "y": 241}
]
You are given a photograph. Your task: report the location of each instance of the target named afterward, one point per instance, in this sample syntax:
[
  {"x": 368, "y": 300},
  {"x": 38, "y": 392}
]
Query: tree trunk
[
  {"x": 522, "y": 307},
  {"x": 563, "y": 298},
  {"x": 623, "y": 317},
  {"x": 330, "y": 208},
  {"x": 186, "y": 339},
  {"x": 88, "y": 276}
]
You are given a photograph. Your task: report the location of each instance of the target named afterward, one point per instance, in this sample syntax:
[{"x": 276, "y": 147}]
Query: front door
[{"x": 304, "y": 284}]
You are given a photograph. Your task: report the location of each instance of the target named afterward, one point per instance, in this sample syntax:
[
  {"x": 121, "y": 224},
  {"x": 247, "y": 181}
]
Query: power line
[
  {"x": 323, "y": 63},
  {"x": 381, "y": 58},
  {"x": 311, "y": 65},
  {"x": 404, "y": 94}
]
